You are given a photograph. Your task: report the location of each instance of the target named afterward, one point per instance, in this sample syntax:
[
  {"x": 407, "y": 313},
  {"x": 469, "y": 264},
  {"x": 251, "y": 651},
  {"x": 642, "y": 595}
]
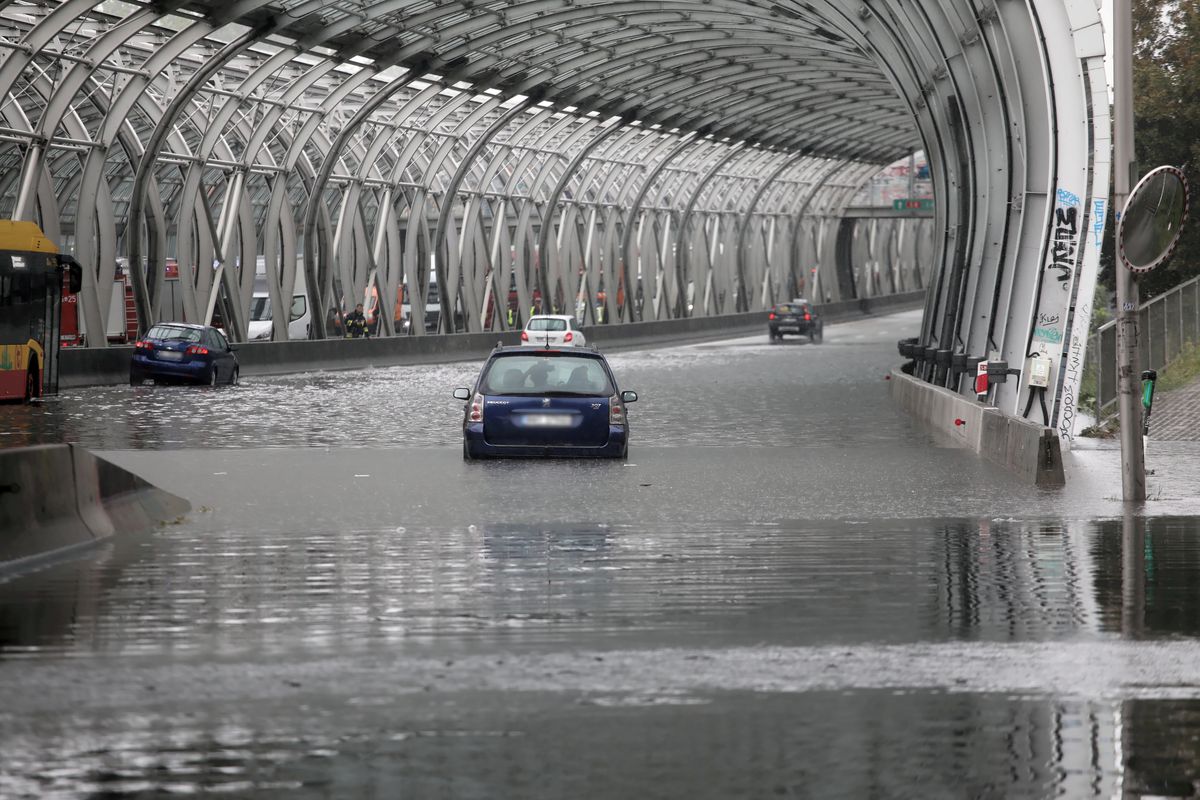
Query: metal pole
[{"x": 1133, "y": 456}]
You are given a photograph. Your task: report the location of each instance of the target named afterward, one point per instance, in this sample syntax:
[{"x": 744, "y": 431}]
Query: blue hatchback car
[
  {"x": 545, "y": 402},
  {"x": 181, "y": 351}
]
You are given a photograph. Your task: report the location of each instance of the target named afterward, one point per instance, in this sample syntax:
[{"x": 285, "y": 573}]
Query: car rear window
[
  {"x": 173, "y": 333},
  {"x": 789, "y": 308},
  {"x": 546, "y": 373},
  {"x": 543, "y": 324}
]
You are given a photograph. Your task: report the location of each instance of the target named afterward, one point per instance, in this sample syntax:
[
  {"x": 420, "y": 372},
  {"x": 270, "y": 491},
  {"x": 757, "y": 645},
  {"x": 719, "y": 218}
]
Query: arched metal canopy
[{"x": 629, "y": 160}]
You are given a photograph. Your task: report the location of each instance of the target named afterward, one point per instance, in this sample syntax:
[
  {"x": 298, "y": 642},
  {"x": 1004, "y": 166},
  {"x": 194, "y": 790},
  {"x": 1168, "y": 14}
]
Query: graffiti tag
[
  {"x": 1098, "y": 222},
  {"x": 1062, "y": 248},
  {"x": 1052, "y": 335},
  {"x": 1067, "y": 198},
  {"x": 1074, "y": 368}
]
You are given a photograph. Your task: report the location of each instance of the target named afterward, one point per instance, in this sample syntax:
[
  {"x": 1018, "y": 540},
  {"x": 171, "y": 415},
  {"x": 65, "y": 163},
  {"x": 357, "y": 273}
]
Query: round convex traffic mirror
[{"x": 1154, "y": 216}]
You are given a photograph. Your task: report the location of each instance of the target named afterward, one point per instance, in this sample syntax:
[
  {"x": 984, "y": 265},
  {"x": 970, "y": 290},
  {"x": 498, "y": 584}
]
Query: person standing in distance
[{"x": 356, "y": 324}]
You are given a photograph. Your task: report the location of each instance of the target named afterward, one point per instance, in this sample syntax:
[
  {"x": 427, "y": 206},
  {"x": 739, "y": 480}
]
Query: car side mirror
[
  {"x": 232, "y": 347},
  {"x": 628, "y": 397},
  {"x": 462, "y": 394}
]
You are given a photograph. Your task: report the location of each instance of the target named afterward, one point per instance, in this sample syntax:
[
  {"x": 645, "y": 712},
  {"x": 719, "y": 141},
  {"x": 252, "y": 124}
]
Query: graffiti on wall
[
  {"x": 1098, "y": 223},
  {"x": 1073, "y": 365},
  {"x": 1063, "y": 237}
]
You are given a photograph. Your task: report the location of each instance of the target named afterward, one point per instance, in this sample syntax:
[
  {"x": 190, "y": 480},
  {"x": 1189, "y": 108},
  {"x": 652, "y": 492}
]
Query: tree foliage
[{"x": 1166, "y": 108}]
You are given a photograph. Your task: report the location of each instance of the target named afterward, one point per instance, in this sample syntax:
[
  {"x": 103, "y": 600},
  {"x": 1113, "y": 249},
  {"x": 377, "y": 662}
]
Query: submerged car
[
  {"x": 547, "y": 402},
  {"x": 797, "y": 318},
  {"x": 553, "y": 330},
  {"x": 184, "y": 352}
]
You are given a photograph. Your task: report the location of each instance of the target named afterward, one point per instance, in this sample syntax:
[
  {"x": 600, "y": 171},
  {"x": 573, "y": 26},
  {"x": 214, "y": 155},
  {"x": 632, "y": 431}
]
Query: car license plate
[
  {"x": 170, "y": 355},
  {"x": 789, "y": 329},
  {"x": 548, "y": 420}
]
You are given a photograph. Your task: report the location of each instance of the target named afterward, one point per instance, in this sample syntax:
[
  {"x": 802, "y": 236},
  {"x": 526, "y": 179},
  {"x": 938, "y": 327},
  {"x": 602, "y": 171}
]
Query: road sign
[{"x": 913, "y": 204}]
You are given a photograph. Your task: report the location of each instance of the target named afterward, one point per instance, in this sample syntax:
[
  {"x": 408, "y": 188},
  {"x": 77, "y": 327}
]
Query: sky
[{"x": 1106, "y": 15}]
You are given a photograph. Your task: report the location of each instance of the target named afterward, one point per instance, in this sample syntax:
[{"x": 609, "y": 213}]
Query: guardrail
[
  {"x": 1167, "y": 325},
  {"x": 110, "y": 365}
]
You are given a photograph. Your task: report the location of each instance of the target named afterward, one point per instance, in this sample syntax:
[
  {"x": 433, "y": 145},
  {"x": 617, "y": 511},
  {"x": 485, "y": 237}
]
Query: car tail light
[
  {"x": 476, "y": 414},
  {"x": 771, "y": 315},
  {"x": 807, "y": 316},
  {"x": 197, "y": 350},
  {"x": 524, "y": 336},
  {"x": 143, "y": 346},
  {"x": 570, "y": 337},
  {"x": 616, "y": 414}
]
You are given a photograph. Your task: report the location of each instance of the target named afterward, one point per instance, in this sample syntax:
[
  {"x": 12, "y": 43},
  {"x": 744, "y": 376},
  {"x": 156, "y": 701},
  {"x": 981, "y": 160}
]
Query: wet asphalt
[{"x": 788, "y": 590}]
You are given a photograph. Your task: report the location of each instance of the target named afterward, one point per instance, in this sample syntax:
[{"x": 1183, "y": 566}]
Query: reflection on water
[
  {"x": 921, "y": 658},
  {"x": 844, "y": 745}
]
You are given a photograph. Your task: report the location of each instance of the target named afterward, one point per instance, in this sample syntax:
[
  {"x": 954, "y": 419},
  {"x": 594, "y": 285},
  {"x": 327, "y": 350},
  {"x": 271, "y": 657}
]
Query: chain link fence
[{"x": 1167, "y": 325}]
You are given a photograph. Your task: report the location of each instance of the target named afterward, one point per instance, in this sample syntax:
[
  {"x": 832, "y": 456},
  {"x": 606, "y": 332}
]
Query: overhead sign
[{"x": 913, "y": 204}]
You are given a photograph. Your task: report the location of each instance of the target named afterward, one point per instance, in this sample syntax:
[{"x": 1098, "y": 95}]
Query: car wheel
[
  {"x": 467, "y": 452},
  {"x": 235, "y": 377},
  {"x": 136, "y": 378},
  {"x": 812, "y": 337},
  {"x": 212, "y": 376},
  {"x": 31, "y": 387}
]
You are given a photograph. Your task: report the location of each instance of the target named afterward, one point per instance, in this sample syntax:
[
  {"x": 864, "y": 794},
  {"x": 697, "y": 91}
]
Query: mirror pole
[{"x": 1133, "y": 455}]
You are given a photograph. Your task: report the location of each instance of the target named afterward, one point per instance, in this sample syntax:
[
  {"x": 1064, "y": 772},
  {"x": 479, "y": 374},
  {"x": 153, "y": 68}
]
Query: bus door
[{"x": 52, "y": 316}]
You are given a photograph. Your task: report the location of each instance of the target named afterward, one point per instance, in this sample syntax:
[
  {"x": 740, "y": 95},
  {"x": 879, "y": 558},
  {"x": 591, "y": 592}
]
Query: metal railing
[{"x": 1167, "y": 325}]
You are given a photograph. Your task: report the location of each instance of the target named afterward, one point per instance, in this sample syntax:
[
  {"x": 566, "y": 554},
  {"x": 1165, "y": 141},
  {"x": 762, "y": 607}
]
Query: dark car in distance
[
  {"x": 556, "y": 401},
  {"x": 795, "y": 318},
  {"x": 182, "y": 352}
]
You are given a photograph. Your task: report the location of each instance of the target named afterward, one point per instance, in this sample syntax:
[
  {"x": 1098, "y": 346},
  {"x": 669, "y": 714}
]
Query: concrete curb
[
  {"x": 110, "y": 365},
  {"x": 1029, "y": 451},
  {"x": 56, "y": 499}
]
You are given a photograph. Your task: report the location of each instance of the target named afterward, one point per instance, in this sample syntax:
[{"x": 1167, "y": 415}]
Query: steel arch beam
[
  {"x": 451, "y": 190},
  {"x": 635, "y": 210}
]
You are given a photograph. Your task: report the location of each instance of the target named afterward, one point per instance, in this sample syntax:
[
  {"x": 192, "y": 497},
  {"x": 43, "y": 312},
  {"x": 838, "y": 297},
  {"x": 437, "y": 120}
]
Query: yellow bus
[{"x": 31, "y": 286}]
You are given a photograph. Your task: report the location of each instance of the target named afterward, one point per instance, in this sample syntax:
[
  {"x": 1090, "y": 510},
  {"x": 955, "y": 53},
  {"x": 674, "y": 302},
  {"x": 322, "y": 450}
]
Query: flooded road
[{"x": 787, "y": 591}]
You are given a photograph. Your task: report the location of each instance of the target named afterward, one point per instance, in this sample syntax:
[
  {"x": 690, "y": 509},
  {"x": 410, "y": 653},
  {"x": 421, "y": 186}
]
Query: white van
[
  {"x": 261, "y": 314},
  {"x": 433, "y": 307}
]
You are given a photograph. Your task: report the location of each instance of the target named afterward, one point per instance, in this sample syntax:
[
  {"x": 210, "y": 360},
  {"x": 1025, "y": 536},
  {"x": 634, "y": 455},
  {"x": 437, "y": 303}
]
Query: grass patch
[
  {"x": 1105, "y": 430},
  {"x": 1179, "y": 373},
  {"x": 1182, "y": 371}
]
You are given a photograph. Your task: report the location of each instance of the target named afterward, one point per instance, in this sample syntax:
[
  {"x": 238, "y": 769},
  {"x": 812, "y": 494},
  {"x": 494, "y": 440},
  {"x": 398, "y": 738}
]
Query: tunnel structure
[{"x": 623, "y": 161}]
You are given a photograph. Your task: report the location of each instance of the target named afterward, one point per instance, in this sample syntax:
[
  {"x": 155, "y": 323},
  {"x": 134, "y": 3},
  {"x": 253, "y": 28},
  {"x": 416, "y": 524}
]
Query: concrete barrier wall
[
  {"x": 1030, "y": 451},
  {"x": 106, "y": 366},
  {"x": 58, "y": 498}
]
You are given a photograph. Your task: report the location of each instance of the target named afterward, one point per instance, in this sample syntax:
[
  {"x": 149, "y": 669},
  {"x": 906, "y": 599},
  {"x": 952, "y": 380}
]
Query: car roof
[
  {"x": 192, "y": 325},
  {"x": 551, "y": 316},
  {"x": 519, "y": 350}
]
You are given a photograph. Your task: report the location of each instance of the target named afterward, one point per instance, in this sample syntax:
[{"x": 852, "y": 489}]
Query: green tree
[{"x": 1166, "y": 108}]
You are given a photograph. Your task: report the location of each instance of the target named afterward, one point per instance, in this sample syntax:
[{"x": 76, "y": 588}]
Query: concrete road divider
[
  {"x": 58, "y": 498},
  {"x": 1030, "y": 451},
  {"x": 100, "y": 366}
]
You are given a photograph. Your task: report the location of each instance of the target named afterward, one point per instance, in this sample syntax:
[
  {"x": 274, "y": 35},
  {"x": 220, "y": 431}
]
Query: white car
[{"x": 552, "y": 330}]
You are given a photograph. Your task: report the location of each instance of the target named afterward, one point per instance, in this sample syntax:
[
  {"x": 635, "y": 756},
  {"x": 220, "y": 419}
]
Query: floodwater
[{"x": 787, "y": 591}]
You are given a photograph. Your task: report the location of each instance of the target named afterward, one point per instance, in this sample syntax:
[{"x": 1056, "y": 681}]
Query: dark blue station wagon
[
  {"x": 180, "y": 351},
  {"x": 545, "y": 402}
]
